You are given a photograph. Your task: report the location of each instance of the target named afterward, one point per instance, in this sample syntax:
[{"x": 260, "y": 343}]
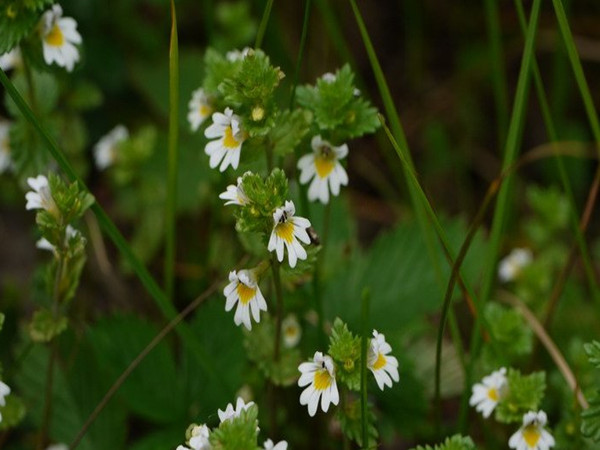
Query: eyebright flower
[
  {"x": 287, "y": 229},
  {"x": 44, "y": 244},
  {"x": 235, "y": 194},
  {"x": 383, "y": 366},
  {"x": 510, "y": 266},
  {"x": 323, "y": 166},
  {"x": 281, "y": 445},
  {"x": 199, "y": 109},
  {"x": 319, "y": 376},
  {"x": 105, "y": 151},
  {"x": 231, "y": 413},
  {"x": 10, "y": 60},
  {"x": 4, "y": 391},
  {"x": 40, "y": 197},
  {"x": 237, "y": 55},
  {"x": 532, "y": 435},
  {"x": 59, "y": 34},
  {"x": 243, "y": 289},
  {"x": 227, "y": 146},
  {"x": 291, "y": 331},
  {"x": 5, "y": 161},
  {"x": 328, "y": 77},
  {"x": 199, "y": 438},
  {"x": 488, "y": 393}
]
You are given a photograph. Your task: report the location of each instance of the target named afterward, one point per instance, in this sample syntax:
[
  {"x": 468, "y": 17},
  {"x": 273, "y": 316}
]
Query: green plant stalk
[
  {"x": 171, "y": 204},
  {"x": 553, "y": 136},
  {"x": 275, "y": 265},
  {"x": 498, "y": 74},
  {"x": 561, "y": 87},
  {"x": 584, "y": 89},
  {"x": 510, "y": 154},
  {"x": 317, "y": 274},
  {"x": 262, "y": 28},
  {"x": 364, "y": 316},
  {"x": 166, "y": 308},
  {"x": 305, "y": 21}
]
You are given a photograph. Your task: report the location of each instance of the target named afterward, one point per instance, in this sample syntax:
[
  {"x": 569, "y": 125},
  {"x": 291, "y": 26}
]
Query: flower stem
[
  {"x": 366, "y": 298},
  {"x": 170, "y": 210},
  {"x": 279, "y": 311}
]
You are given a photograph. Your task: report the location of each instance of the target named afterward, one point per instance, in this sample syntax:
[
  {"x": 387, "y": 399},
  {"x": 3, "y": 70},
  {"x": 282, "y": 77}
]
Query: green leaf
[
  {"x": 590, "y": 420},
  {"x": 12, "y": 412},
  {"x": 18, "y": 18},
  {"x": 349, "y": 416},
  {"x": 44, "y": 326},
  {"x": 592, "y": 349},
  {"x": 217, "y": 68},
  {"x": 46, "y": 93},
  {"x": 83, "y": 96},
  {"x": 132, "y": 152},
  {"x": 338, "y": 107},
  {"x": 240, "y": 433},
  {"x": 456, "y": 442},
  {"x": 250, "y": 90},
  {"x": 510, "y": 333},
  {"x": 344, "y": 348},
  {"x": 116, "y": 341},
  {"x": 288, "y": 131},
  {"x": 525, "y": 393}
]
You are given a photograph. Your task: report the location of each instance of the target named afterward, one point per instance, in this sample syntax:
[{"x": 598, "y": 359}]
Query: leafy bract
[{"x": 524, "y": 394}]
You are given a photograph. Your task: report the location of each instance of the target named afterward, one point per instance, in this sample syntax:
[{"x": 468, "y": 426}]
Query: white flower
[
  {"x": 532, "y": 435},
  {"x": 281, "y": 445},
  {"x": 510, "y": 266},
  {"x": 287, "y": 229},
  {"x": 40, "y": 197},
  {"x": 328, "y": 77},
  {"x": 44, "y": 244},
  {"x": 291, "y": 331},
  {"x": 323, "y": 166},
  {"x": 319, "y": 376},
  {"x": 11, "y": 59},
  {"x": 59, "y": 34},
  {"x": 488, "y": 393},
  {"x": 199, "y": 438},
  {"x": 199, "y": 109},
  {"x": 226, "y": 148},
  {"x": 5, "y": 161},
  {"x": 4, "y": 391},
  {"x": 237, "y": 55},
  {"x": 105, "y": 151},
  {"x": 58, "y": 447},
  {"x": 383, "y": 366},
  {"x": 243, "y": 289},
  {"x": 235, "y": 194},
  {"x": 231, "y": 413}
]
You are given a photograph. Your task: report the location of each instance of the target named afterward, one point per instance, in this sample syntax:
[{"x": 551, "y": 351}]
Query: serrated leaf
[
  {"x": 590, "y": 420},
  {"x": 238, "y": 433},
  {"x": 525, "y": 393},
  {"x": 592, "y": 349},
  {"x": 512, "y": 336},
  {"x": 18, "y": 19},
  {"x": 288, "y": 131},
  {"x": 44, "y": 326},
  {"x": 456, "y": 442},
  {"x": 344, "y": 348}
]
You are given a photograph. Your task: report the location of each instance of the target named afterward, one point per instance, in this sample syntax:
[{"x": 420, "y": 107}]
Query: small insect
[{"x": 314, "y": 237}]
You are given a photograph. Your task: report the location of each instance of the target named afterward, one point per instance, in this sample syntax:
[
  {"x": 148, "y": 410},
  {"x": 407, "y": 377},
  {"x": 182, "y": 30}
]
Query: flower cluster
[
  {"x": 318, "y": 376},
  {"x": 237, "y": 424}
]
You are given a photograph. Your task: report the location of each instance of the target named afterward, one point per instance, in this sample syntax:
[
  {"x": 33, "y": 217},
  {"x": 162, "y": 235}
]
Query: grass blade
[{"x": 262, "y": 28}]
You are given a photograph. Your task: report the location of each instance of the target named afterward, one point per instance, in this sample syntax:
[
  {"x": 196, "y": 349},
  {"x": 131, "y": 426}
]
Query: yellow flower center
[
  {"x": 324, "y": 165},
  {"x": 245, "y": 293},
  {"x": 229, "y": 141},
  {"x": 532, "y": 435},
  {"x": 379, "y": 362},
  {"x": 285, "y": 231},
  {"x": 55, "y": 37},
  {"x": 322, "y": 380},
  {"x": 205, "y": 110},
  {"x": 493, "y": 394},
  {"x": 291, "y": 331}
]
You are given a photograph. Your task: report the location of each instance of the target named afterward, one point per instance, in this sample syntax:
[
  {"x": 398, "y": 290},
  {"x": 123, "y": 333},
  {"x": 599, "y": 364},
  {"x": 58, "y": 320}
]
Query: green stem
[
  {"x": 366, "y": 297},
  {"x": 307, "y": 8},
  {"x": 170, "y": 210},
  {"x": 262, "y": 28},
  {"x": 275, "y": 266},
  {"x": 30, "y": 86},
  {"x": 498, "y": 71}
]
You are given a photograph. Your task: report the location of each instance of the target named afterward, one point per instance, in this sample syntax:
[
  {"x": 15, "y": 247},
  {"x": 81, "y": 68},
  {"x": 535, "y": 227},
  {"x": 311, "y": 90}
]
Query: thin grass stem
[
  {"x": 364, "y": 319},
  {"x": 262, "y": 28}
]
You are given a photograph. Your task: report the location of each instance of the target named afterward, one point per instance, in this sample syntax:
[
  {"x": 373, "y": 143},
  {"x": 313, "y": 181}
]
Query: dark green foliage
[
  {"x": 45, "y": 325},
  {"x": 510, "y": 335},
  {"x": 590, "y": 425},
  {"x": 249, "y": 92},
  {"x": 349, "y": 415},
  {"x": 216, "y": 69},
  {"x": 456, "y": 442},
  {"x": 18, "y": 18},
  {"x": 339, "y": 110},
  {"x": 524, "y": 394},
  {"x": 289, "y": 130},
  {"x": 132, "y": 152},
  {"x": 344, "y": 348}
]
